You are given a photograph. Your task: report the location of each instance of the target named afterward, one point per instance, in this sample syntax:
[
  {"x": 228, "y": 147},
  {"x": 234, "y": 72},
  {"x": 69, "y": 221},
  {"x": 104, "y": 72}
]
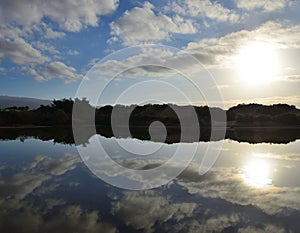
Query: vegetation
[
  {"x": 245, "y": 121},
  {"x": 59, "y": 113},
  {"x": 261, "y": 115}
]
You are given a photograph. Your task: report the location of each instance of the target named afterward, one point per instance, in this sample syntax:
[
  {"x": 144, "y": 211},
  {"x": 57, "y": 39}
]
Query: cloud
[
  {"x": 70, "y": 15},
  {"x": 93, "y": 61},
  {"x": 50, "y": 34},
  {"x": 205, "y": 9},
  {"x": 73, "y": 52},
  {"x": 221, "y": 86},
  {"x": 218, "y": 52},
  {"x": 22, "y": 20},
  {"x": 154, "y": 62},
  {"x": 12, "y": 32},
  {"x": 17, "y": 11},
  {"x": 30, "y": 57},
  {"x": 20, "y": 52},
  {"x": 138, "y": 64},
  {"x": 45, "y": 47},
  {"x": 142, "y": 25},
  {"x": 266, "y": 6},
  {"x": 59, "y": 70},
  {"x": 294, "y": 78}
]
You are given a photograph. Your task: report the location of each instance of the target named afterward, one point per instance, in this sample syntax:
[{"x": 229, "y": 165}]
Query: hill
[{"x": 32, "y": 103}]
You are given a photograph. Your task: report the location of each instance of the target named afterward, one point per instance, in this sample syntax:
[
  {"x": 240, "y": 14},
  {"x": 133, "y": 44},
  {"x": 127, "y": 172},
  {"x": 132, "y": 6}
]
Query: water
[{"x": 45, "y": 187}]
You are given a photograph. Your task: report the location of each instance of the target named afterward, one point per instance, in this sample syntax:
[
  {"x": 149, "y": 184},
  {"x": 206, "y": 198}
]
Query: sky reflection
[{"x": 45, "y": 187}]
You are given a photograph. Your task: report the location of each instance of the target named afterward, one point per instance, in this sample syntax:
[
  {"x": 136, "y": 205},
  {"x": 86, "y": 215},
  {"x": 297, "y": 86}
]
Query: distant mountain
[{"x": 32, "y": 103}]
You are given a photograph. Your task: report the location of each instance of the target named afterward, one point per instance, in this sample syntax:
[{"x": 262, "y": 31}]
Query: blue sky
[{"x": 46, "y": 47}]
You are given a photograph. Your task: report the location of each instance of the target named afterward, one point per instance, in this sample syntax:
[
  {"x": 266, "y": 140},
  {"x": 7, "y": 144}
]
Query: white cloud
[
  {"x": 8, "y": 31},
  {"x": 71, "y": 15},
  {"x": 265, "y": 5},
  {"x": 223, "y": 86},
  {"x": 142, "y": 24},
  {"x": 30, "y": 57},
  {"x": 73, "y": 52},
  {"x": 20, "y": 52},
  {"x": 59, "y": 70},
  {"x": 21, "y": 19},
  {"x": 45, "y": 47},
  {"x": 93, "y": 61},
  {"x": 140, "y": 64},
  {"x": 23, "y": 12},
  {"x": 50, "y": 34},
  {"x": 203, "y": 8},
  {"x": 219, "y": 51},
  {"x": 295, "y": 78},
  {"x": 30, "y": 71}
]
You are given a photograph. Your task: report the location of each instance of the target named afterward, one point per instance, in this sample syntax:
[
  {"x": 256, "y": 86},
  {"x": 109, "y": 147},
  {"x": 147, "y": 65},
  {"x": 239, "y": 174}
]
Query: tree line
[{"x": 59, "y": 113}]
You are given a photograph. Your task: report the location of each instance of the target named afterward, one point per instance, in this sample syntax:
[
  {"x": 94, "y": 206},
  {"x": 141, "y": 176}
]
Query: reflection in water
[
  {"x": 257, "y": 173},
  {"x": 65, "y": 134},
  {"x": 45, "y": 187}
]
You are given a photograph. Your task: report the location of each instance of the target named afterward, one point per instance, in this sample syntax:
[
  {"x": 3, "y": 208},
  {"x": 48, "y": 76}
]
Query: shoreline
[
  {"x": 169, "y": 126},
  {"x": 25, "y": 127}
]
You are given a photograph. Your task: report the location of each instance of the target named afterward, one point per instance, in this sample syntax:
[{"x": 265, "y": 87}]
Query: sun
[{"x": 257, "y": 63}]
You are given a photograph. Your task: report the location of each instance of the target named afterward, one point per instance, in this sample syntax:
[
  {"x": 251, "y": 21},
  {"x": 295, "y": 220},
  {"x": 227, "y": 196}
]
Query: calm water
[{"x": 45, "y": 187}]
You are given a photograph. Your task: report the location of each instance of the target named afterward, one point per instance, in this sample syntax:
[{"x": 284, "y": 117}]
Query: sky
[{"x": 248, "y": 51}]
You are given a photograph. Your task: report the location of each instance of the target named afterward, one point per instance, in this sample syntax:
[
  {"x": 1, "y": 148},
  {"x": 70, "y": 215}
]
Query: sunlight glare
[
  {"x": 257, "y": 63},
  {"x": 257, "y": 173}
]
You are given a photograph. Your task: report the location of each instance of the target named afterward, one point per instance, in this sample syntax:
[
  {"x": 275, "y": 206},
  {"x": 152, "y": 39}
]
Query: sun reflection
[{"x": 257, "y": 173}]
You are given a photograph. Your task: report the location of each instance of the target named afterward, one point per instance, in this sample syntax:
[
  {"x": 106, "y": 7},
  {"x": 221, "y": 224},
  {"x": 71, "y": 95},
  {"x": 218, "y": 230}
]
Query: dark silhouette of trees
[
  {"x": 65, "y": 105},
  {"x": 60, "y": 113},
  {"x": 261, "y": 115}
]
